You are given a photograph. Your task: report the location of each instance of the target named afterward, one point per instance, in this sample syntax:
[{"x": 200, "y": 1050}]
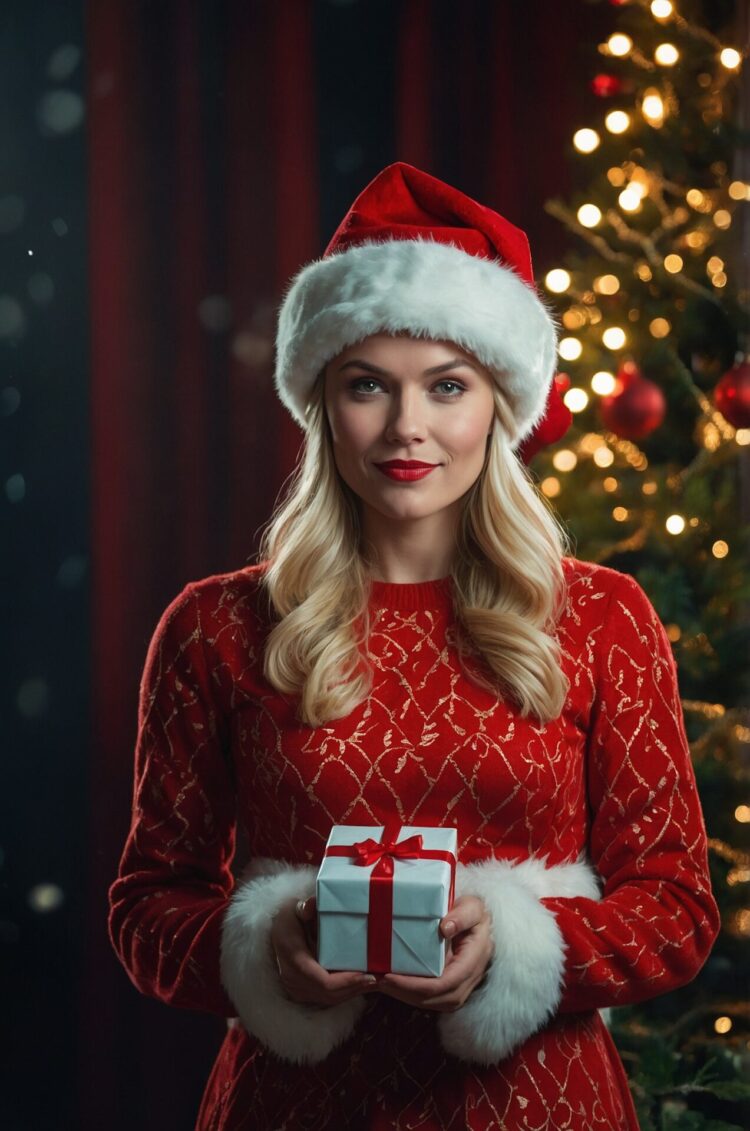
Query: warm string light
[
  {"x": 632, "y": 454},
  {"x": 576, "y": 400},
  {"x": 728, "y": 853},
  {"x": 603, "y": 456},
  {"x": 739, "y": 190},
  {"x": 730, "y": 58},
  {"x": 617, "y": 121},
  {"x": 619, "y": 45},
  {"x": 741, "y": 922},
  {"x": 606, "y": 284},
  {"x": 666, "y": 55},
  {"x": 614, "y": 338},
  {"x": 558, "y": 280},
  {"x": 570, "y": 349},
  {"x": 586, "y": 140},
  {"x": 603, "y": 383},
  {"x": 565, "y": 459},
  {"x": 653, "y": 107},
  {"x": 589, "y": 215},
  {"x": 659, "y": 328},
  {"x": 662, "y": 9}
]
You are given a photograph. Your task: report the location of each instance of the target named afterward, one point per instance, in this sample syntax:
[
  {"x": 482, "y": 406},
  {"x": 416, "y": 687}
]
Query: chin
[{"x": 409, "y": 513}]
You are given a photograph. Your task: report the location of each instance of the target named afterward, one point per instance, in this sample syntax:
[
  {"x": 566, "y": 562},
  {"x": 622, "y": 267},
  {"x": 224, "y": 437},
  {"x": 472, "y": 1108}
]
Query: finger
[
  {"x": 308, "y": 966},
  {"x": 306, "y": 991},
  {"x": 451, "y": 999},
  {"x": 419, "y": 989},
  {"x": 465, "y": 913},
  {"x": 463, "y": 965},
  {"x": 313, "y": 975}
]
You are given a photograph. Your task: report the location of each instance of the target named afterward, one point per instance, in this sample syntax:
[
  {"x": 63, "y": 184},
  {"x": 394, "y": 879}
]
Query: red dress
[{"x": 584, "y": 837}]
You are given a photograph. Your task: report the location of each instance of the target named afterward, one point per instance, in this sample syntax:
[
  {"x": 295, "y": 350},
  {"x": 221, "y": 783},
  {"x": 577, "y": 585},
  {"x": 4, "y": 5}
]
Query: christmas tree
[{"x": 653, "y": 477}]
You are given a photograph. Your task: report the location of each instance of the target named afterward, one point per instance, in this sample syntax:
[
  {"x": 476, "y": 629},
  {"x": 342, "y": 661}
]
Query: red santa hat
[{"x": 413, "y": 254}]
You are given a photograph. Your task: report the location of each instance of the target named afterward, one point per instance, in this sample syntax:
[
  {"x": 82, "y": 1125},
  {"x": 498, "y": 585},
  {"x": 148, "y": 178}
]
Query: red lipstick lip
[
  {"x": 405, "y": 463},
  {"x": 408, "y": 474}
]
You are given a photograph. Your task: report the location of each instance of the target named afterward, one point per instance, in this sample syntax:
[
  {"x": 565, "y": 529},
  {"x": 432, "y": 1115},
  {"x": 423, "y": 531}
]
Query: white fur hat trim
[{"x": 430, "y": 290}]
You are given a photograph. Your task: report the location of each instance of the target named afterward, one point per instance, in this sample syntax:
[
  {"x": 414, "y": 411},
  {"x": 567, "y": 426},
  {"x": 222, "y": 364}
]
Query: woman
[{"x": 416, "y": 644}]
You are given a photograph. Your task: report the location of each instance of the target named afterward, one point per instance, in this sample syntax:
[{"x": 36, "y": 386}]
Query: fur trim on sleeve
[
  {"x": 303, "y": 1034},
  {"x": 525, "y": 978}
]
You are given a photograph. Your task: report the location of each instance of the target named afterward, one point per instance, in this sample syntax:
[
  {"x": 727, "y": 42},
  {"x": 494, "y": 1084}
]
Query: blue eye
[
  {"x": 354, "y": 386},
  {"x": 459, "y": 388}
]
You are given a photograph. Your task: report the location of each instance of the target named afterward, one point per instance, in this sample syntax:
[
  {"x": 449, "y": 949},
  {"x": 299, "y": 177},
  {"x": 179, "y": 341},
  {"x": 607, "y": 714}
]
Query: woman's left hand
[{"x": 465, "y": 965}]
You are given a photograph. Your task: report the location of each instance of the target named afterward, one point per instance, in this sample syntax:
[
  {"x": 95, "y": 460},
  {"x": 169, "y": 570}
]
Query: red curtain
[
  {"x": 204, "y": 170},
  {"x": 189, "y": 442}
]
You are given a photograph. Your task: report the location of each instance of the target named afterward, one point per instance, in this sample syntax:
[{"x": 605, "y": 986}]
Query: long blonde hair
[{"x": 508, "y": 582}]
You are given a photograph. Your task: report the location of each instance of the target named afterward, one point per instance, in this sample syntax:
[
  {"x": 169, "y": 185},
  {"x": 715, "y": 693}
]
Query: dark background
[{"x": 164, "y": 168}]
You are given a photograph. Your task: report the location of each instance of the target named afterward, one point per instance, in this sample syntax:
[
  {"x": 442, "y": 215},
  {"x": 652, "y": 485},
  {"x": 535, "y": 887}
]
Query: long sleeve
[
  {"x": 174, "y": 880},
  {"x": 657, "y": 920},
  {"x": 634, "y": 916}
]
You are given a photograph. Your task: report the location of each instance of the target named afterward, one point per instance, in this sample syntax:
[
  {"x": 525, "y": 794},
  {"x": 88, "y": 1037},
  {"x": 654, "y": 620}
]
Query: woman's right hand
[{"x": 293, "y": 932}]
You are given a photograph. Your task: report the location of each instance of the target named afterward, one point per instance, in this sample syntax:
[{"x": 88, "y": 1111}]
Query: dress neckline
[{"x": 435, "y": 594}]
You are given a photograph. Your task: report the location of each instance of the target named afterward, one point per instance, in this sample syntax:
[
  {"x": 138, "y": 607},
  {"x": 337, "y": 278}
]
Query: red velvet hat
[{"x": 413, "y": 254}]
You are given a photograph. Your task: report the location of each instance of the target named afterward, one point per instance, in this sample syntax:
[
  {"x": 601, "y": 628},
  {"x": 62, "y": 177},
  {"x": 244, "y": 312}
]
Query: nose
[{"x": 405, "y": 422}]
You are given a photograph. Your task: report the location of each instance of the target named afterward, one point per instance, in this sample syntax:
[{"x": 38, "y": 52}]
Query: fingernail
[
  {"x": 449, "y": 927},
  {"x": 368, "y": 980}
]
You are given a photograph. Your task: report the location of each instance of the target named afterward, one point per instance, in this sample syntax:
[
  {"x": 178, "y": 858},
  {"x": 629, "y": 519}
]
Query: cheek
[
  {"x": 351, "y": 432},
  {"x": 469, "y": 433}
]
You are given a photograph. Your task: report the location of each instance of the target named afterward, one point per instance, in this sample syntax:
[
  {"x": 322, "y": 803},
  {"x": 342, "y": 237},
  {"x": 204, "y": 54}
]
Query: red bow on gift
[
  {"x": 382, "y": 854},
  {"x": 371, "y": 851}
]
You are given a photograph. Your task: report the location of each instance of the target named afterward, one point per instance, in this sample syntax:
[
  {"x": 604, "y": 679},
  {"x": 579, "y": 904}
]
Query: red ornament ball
[
  {"x": 732, "y": 395},
  {"x": 555, "y": 422},
  {"x": 604, "y": 86},
  {"x": 636, "y": 408}
]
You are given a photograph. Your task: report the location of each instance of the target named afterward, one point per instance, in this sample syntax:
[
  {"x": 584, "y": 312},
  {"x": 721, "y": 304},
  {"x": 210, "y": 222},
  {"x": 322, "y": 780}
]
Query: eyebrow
[{"x": 428, "y": 372}]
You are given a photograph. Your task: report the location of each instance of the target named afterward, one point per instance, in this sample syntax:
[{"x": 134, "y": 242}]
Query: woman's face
[{"x": 398, "y": 398}]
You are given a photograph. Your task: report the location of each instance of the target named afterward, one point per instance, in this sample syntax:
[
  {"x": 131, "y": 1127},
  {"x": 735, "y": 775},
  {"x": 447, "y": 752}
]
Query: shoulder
[
  {"x": 613, "y": 609},
  {"x": 600, "y": 581},
  {"x": 206, "y": 606},
  {"x": 599, "y": 589}
]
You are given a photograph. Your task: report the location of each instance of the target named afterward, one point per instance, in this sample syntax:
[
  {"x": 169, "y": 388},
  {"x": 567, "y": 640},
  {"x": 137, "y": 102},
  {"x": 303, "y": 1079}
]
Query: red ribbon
[{"x": 382, "y": 853}]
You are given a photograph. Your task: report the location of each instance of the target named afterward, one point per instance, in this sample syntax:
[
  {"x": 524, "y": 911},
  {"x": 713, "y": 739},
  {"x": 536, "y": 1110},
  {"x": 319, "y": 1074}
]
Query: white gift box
[{"x": 420, "y": 897}]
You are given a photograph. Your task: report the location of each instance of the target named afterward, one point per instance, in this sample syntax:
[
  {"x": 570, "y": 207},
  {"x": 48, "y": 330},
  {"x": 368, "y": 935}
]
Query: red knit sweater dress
[{"x": 584, "y": 837}]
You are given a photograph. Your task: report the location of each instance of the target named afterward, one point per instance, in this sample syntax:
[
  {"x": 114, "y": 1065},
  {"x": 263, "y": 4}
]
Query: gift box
[{"x": 381, "y": 893}]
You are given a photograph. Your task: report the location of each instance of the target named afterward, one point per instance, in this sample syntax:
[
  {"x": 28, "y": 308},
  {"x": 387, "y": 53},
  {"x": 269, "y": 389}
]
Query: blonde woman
[{"x": 416, "y": 644}]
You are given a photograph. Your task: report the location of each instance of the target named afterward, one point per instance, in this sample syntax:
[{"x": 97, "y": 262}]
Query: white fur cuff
[
  {"x": 525, "y": 979},
  {"x": 303, "y": 1034}
]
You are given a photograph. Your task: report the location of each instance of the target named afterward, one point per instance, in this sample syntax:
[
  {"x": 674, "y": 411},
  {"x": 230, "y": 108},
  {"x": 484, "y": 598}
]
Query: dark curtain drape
[{"x": 226, "y": 139}]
